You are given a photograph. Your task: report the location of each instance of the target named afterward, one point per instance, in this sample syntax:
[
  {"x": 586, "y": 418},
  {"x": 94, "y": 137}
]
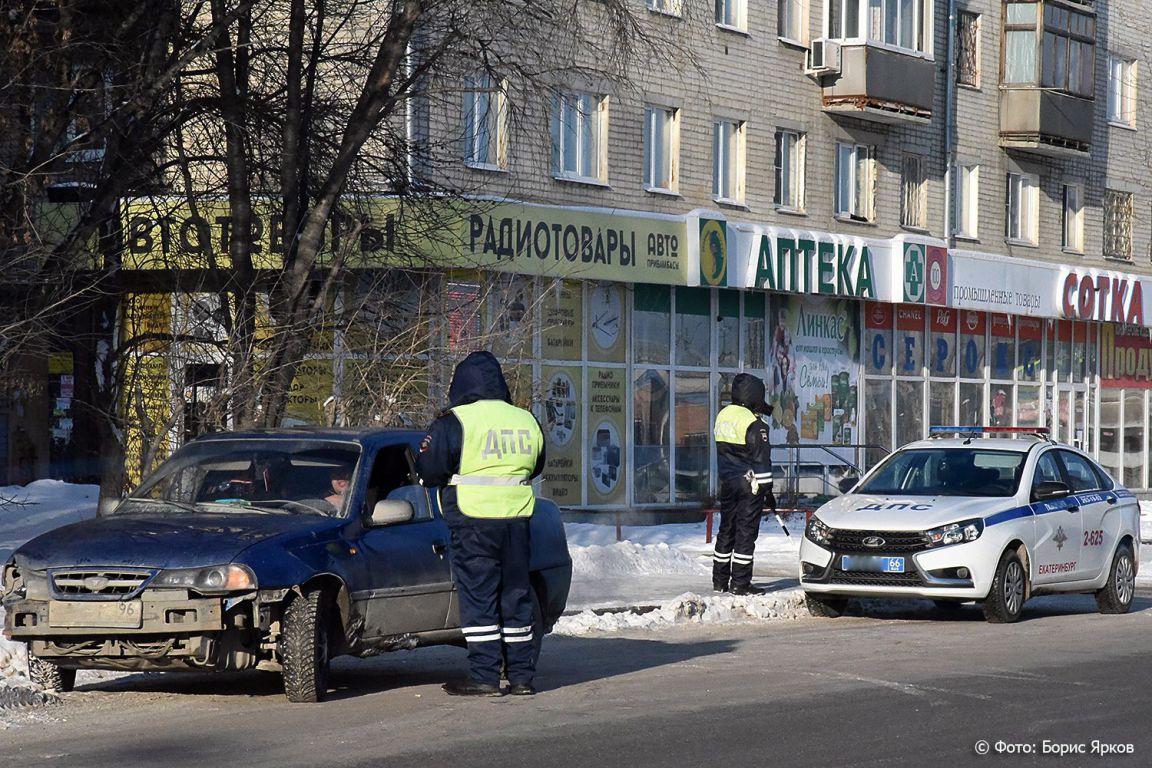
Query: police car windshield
[{"x": 947, "y": 472}]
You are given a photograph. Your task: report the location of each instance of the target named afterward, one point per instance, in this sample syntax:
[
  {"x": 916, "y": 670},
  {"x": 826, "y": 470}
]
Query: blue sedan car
[{"x": 265, "y": 550}]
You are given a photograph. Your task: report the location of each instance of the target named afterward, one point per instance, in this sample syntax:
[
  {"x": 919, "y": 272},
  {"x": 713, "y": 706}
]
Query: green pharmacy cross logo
[
  {"x": 1060, "y": 537},
  {"x": 913, "y": 272}
]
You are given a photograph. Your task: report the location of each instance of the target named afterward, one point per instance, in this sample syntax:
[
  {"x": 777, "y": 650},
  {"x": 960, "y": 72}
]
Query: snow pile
[
  {"x": 30, "y": 510},
  {"x": 625, "y": 558},
  {"x": 688, "y": 608}
]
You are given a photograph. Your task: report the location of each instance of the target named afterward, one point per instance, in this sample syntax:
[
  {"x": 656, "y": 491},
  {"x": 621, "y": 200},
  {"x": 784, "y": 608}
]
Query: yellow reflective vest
[{"x": 500, "y": 446}]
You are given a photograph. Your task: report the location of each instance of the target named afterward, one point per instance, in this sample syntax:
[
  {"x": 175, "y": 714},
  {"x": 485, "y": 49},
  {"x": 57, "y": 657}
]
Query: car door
[
  {"x": 1058, "y": 527},
  {"x": 407, "y": 582},
  {"x": 1095, "y": 503}
]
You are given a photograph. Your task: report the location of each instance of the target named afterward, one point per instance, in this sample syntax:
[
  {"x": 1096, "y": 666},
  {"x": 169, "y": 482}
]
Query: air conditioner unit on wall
[{"x": 823, "y": 57}]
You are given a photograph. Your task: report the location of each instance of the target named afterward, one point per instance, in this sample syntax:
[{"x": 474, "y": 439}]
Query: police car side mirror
[
  {"x": 1050, "y": 489},
  {"x": 391, "y": 511}
]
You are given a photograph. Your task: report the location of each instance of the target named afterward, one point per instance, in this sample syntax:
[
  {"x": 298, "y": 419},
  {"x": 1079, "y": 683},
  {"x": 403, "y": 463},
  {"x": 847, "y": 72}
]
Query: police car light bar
[{"x": 1041, "y": 432}]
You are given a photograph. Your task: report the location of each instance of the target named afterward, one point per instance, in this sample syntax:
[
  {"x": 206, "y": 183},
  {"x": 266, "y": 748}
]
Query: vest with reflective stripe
[
  {"x": 501, "y": 444},
  {"x": 732, "y": 424}
]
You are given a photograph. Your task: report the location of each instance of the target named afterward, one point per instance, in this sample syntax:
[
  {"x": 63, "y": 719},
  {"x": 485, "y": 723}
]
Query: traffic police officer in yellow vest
[
  {"x": 482, "y": 455},
  {"x": 744, "y": 466}
]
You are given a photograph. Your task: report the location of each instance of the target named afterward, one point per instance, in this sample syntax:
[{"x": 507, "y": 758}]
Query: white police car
[{"x": 974, "y": 517}]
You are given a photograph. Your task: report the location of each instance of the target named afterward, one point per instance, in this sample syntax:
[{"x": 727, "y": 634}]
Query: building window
[
  {"x": 1023, "y": 206},
  {"x": 728, "y": 161},
  {"x": 1117, "y": 224},
  {"x": 579, "y": 127},
  {"x": 789, "y": 170},
  {"x": 1062, "y": 61},
  {"x": 731, "y": 13},
  {"x": 854, "y": 180},
  {"x": 792, "y": 21},
  {"x": 1122, "y": 91},
  {"x": 968, "y": 49},
  {"x": 913, "y": 194},
  {"x": 485, "y": 121},
  {"x": 899, "y": 23},
  {"x": 967, "y": 201},
  {"x": 667, "y": 7},
  {"x": 1072, "y": 238},
  {"x": 661, "y": 148}
]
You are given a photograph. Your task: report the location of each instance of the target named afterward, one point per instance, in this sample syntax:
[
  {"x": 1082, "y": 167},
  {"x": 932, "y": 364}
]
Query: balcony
[
  {"x": 1045, "y": 122},
  {"x": 880, "y": 84}
]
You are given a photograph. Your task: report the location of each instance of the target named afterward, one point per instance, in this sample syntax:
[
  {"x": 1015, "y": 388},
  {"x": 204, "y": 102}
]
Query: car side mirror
[
  {"x": 1050, "y": 489},
  {"x": 389, "y": 511}
]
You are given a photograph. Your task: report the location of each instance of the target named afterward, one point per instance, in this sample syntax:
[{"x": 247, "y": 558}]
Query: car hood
[
  {"x": 163, "y": 541},
  {"x": 907, "y": 513}
]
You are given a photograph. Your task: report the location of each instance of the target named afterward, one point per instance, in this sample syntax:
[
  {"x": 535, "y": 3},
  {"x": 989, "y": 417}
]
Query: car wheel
[
  {"x": 1005, "y": 601},
  {"x": 825, "y": 607},
  {"x": 1117, "y": 594},
  {"x": 49, "y": 676},
  {"x": 304, "y": 648}
]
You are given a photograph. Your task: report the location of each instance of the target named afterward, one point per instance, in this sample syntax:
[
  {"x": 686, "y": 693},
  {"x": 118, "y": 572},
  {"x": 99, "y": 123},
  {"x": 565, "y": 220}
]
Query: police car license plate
[{"x": 872, "y": 564}]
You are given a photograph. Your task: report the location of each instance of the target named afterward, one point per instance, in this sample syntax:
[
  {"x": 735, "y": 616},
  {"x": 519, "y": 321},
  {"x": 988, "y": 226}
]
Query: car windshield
[
  {"x": 249, "y": 476},
  {"x": 947, "y": 472}
]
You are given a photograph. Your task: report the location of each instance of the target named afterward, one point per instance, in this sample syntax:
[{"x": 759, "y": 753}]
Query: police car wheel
[
  {"x": 825, "y": 607},
  {"x": 1117, "y": 594},
  {"x": 49, "y": 676},
  {"x": 1005, "y": 601}
]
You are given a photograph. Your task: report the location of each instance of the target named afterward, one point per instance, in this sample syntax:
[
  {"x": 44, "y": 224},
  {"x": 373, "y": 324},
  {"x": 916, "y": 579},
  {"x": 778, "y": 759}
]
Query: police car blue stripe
[
  {"x": 1047, "y": 507},
  {"x": 1007, "y": 515}
]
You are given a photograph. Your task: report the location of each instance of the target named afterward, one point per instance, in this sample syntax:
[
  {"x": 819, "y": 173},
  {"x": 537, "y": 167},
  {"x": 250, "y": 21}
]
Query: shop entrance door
[{"x": 1070, "y": 416}]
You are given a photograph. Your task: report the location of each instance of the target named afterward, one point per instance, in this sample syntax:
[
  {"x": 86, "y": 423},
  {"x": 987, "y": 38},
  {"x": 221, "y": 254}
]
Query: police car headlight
[
  {"x": 817, "y": 532},
  {"x": 217, "y": 578},
  {"x": 955, "y": 533}
]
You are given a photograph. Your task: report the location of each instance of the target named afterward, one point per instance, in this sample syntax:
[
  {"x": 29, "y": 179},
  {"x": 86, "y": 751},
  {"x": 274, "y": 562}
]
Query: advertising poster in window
[
  {"x": 942, "y": 349},
  {"x": 560, "y": 419},
  {"x": 1031, "y": 331},
  {"x": 562, "y": 321},
  {"x": 973, "y": 326},
  {"x": 607, "y": 401},
  {"x": 607, "y": 322},
  {"x": 309, "y": 394},
  {"x": 909, "y": 349},
  {"x": 1003, "y": 347},
  {"x": 512, "y": 310},
  {"x": 812, "y": 382},
  {"x": 878, "y": 338},
  {"x": 1125, "y": 356}
]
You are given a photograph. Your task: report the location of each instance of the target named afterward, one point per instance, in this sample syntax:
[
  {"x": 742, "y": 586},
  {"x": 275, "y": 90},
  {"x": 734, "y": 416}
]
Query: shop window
[
  {"x": 693, "y": 327},
  {"x": 650, "y": 408},
  {"x": 652, "y": 319},
  {"x": 878, "y": 419},
  {"x": 1063, "y": 344},
  {"x": 728, "y": 329},
  {"x": 909, "y": 411},
  {"x": 754, "y": 329},
  {"x": 511, "y": 323},
  {"x": 909, "y": 345},
  {"x": 561, "y": 320},
  {"x": 941, "y": 406},
  {"x": 1028, "y": 406},
  {"x": 693, "y": 433},
  {"x": 878, "y": 353},
  {"x": 971, "y": 411},
  {"x": 1003, "y": 350},
  {"x": 942, "y": 343},
  {"x": 1134, "y": 420},
  {"x": 1079, "y": 354},
  {"x": 464, "y": 315},
  {"x": 1111, "y": 456},
  {"x": 972, "y": 344},
  {"x": 1031, "y": 333}
]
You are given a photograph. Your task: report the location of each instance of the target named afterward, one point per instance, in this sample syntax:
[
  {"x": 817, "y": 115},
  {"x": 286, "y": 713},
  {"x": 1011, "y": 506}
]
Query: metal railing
[{"x": 813, "y": 472}]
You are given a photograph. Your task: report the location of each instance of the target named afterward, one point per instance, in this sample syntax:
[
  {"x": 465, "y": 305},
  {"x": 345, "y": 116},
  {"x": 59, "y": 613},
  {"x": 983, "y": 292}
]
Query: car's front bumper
[{"x": 957, "y": 572}]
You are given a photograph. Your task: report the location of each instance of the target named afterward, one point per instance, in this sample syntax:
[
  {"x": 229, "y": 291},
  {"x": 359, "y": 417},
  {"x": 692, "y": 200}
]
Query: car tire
[
  {"x": 305, "y": 648},
  {"x": 1118, "y": 591},
  {"x": 825, "y": 607},
  {"x": 50, "y": 676},
  {"x": 1005, "y": 601}
]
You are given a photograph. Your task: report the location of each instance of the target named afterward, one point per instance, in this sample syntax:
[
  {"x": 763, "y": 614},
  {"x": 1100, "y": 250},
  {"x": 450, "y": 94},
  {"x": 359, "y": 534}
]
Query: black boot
[
  {"x": 471, "y": 688},
  {"x": 521, "y": 689},
  {"x": 747, "y": 589}
]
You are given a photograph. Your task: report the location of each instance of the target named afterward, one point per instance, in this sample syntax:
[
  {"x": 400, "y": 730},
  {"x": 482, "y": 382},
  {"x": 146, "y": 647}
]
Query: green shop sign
[{"x": 810, "y": 265}]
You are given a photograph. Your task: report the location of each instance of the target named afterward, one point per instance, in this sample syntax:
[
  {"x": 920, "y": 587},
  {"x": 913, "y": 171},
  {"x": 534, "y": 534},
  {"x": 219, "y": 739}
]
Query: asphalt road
[{"x": 892, "y": 686}]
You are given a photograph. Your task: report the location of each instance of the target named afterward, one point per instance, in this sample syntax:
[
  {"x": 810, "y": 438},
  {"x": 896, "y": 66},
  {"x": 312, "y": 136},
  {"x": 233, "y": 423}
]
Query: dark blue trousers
[
  {"x": 736, "y": 540},
  {"x": 490, "y": 568}
]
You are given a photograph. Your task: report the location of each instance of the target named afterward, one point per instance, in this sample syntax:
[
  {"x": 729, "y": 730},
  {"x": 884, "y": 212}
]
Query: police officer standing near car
[
  {"x": 744, "y": 465},
  {"x": 482, "y": 454}
]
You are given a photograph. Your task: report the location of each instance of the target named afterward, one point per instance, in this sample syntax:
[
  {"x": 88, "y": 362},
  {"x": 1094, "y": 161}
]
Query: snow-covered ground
[{"x": 651, "y": 576}]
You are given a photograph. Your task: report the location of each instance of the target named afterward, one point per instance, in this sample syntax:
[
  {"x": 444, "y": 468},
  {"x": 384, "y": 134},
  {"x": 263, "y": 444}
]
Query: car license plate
[
  {"x": 102, "y": 615},
  {"x": 872, "y": 564}
]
